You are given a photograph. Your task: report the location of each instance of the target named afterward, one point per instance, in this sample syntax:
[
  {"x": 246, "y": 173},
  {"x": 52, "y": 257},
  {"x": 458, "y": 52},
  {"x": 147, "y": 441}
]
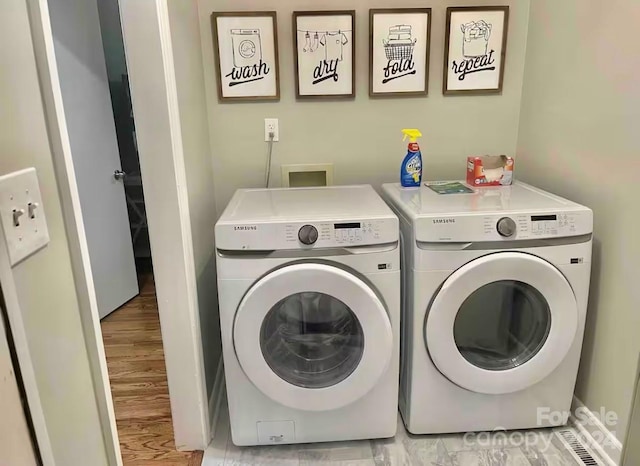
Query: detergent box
[{"x": 490, "y": 170}]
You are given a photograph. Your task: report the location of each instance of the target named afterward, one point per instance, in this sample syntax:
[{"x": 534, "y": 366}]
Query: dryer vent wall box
[
  {"x": 22, "y": 214},
  {"x": 307, "y": 175}
]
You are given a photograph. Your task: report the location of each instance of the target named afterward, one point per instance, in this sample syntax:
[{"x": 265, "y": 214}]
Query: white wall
[
  {"x": 579, "y": 138},
  {"x": 185, "y": 35},
  {"x": 362, "y": 137},
  {"x": 44, "y": 282}
]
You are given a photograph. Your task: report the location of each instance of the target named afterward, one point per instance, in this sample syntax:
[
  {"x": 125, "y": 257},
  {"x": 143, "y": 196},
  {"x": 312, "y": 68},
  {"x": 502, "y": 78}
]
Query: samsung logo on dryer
[
  {"x": 440, "y": 221},
  {"x": 245, "y": 228}
]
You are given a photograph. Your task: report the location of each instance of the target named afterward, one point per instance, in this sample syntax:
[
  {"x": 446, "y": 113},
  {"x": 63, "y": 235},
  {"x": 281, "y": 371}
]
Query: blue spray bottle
[{"x": 411, "y": 170}]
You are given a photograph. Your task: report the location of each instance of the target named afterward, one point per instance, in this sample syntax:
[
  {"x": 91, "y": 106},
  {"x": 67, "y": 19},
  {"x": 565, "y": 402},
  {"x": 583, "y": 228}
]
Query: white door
[
  {"x": 94, "y": 149},
  {"x": 16, "y": 447},
  {"x": 313, "y": 336},
  {"x": 501, "y": 323}
]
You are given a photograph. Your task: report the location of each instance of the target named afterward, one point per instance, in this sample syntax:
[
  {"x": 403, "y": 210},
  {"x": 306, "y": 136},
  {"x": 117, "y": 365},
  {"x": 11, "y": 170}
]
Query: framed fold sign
[
  {"x": 475, "y": 49},
  {"x": 324, "y": 54},
  {"x": 246, "y": 50},
  {"x": 399, "y": 51}
]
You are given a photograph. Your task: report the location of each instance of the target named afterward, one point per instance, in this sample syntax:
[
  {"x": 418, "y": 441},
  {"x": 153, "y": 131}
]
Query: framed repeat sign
[
  {"x": 475, "y": 49},
  {"x": 324, "y": 55},
  {"x": 399, "y": 51},
  {"x": 246, "y": 50}
]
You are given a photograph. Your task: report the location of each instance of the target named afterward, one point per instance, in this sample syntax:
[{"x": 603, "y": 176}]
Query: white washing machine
[
  {"x": 309, "y": 290},
  {"x": 494, "y": 302}
]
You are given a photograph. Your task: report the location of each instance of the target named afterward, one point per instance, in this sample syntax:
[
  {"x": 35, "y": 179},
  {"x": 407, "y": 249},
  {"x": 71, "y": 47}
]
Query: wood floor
[{"x": 135, "y": 358}]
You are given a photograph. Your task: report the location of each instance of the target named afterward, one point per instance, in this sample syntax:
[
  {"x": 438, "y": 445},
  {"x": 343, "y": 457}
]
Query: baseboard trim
[
  {"x": 599, "y": 438},
  {"x": 215, "y": 399}
]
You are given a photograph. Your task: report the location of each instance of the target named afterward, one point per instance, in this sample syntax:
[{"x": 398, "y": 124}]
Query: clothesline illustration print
[
  {"x": 324, "y": 51},
  {"x": 332, "y": 41}
]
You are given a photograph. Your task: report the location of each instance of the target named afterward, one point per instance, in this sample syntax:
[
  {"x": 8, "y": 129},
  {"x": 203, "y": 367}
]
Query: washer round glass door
[
  {"x": 312, "y": 336},
  {"x": 501, "y": 323}
]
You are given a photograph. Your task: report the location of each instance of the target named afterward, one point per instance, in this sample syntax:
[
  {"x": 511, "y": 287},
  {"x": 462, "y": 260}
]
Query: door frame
[{"x": 162, "y": 165}]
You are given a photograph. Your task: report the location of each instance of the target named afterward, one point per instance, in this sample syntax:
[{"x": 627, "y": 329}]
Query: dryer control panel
[{"x": 505, "y": 226}]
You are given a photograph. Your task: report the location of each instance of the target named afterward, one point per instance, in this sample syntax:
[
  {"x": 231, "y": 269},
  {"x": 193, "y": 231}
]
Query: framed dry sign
[
  {"x": 246, "y": 49},
  {"x": 324, "y": 54},
  {"x": 475, "y": 48},
  {"x": 399, "y": 51}
]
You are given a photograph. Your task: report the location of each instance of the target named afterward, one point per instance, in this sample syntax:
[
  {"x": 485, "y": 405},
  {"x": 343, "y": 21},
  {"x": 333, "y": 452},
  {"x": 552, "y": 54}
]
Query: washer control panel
[
  {"x": 307, "y": 234},
  {"x": 337, "y": 234}
]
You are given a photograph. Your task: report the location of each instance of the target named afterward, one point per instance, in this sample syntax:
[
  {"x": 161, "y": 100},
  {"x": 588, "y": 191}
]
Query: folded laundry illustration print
[
  {"x": 476, "y": 38},
  {"x": 400, "y": 43}
]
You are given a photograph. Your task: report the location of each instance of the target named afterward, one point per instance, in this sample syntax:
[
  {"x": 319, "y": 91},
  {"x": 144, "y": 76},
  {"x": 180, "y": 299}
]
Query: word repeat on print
[
  {"x": 324, "y": 54},
  {"x": 477, "y": 40}
]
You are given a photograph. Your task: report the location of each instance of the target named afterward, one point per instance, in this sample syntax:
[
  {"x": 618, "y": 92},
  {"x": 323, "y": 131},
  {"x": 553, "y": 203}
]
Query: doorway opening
[{"x": 130, "y": 323}]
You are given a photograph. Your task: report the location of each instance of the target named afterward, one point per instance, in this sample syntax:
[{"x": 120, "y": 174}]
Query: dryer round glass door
[
  {"x": 313, "y": 336},
  {"x": 501, "y": 323}
]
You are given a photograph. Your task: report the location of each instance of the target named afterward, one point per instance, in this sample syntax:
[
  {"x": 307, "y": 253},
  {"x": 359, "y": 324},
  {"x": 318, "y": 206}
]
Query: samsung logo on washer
[
  {"x": 440, "y": 221},
  {"x": 245, "y": 228}
]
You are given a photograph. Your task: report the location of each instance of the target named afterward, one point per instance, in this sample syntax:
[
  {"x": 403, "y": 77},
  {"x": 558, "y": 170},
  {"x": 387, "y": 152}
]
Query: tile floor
[{"x": 522, "y": 448}]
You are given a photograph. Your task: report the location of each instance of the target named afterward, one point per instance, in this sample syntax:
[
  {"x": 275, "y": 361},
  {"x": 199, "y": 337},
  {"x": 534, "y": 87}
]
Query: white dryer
[
  {"x": 494, "y": 303},
  {"x": 309, "y": 291}
]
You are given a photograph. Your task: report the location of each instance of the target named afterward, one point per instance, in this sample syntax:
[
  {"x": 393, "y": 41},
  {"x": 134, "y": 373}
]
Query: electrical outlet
[
  {"x": 21, "y": 214},
  {"x": 271, "y": 125}
]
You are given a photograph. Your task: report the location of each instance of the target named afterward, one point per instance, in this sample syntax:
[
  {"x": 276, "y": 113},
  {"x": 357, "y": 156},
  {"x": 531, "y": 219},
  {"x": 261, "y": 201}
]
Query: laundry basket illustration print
[
  {"x": 400, "y": 43},
  {"x": 476, "y": 38}
]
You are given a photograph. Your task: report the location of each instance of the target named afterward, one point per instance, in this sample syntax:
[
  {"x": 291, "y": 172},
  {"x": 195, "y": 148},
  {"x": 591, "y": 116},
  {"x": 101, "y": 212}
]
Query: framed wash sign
[
  {"x": 324, "y": 54},
  {"x": 475, "y": 49},
  {"x": 399, "y": 51},
  {"x": 246, "y": 49}
]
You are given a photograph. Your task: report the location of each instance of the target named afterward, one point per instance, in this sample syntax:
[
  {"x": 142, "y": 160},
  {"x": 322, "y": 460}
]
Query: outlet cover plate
[
  {"x": 17, "y": 190},
  {"x": 271, "y": 123}
]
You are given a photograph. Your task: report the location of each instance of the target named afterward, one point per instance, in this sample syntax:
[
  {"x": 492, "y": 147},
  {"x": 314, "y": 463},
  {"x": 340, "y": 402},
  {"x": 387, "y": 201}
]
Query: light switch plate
[{"x": 17, "y": 191}]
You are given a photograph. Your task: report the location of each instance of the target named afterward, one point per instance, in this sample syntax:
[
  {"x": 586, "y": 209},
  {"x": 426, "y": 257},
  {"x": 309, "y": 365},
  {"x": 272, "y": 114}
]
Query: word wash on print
[{"x": 247, "y": 74}]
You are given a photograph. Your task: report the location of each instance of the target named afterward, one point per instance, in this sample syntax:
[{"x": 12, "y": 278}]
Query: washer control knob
[
  {"x": 506, "y": 227},
  {"x": 308, "y": 234}
]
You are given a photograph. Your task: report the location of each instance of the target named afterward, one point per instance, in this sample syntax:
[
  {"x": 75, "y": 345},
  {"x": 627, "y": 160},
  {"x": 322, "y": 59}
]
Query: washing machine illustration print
[{"x": 247, "y": 47}]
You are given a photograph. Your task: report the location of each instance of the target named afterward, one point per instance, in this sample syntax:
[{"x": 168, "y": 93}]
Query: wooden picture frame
[
  {"x": 399, "y": 51},
  {"x": 475, "y": 50},
  {"x": 325, "y": 54},
  {"x": 245, "y": 46}
]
